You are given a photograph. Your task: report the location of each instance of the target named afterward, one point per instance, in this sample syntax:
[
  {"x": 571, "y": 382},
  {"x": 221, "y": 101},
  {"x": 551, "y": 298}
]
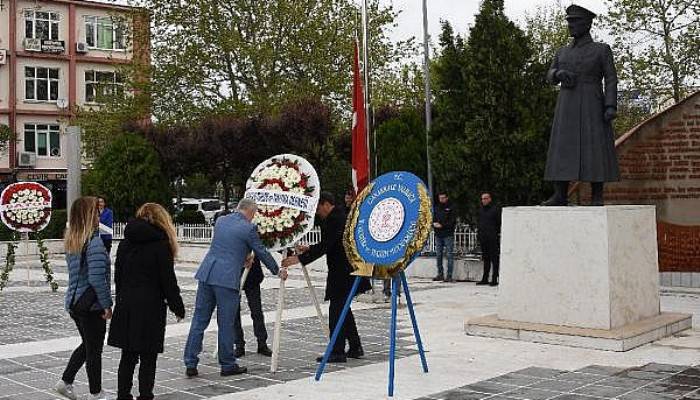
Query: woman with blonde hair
[
  {"x": 88, "y": 297},
  {"x": 145, "y": 284}
]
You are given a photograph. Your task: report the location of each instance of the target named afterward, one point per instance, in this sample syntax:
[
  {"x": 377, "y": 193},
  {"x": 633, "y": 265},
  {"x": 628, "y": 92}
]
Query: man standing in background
[
  {"x": 444, "y": 223},
  {"x": 252, "y": 294},
  {"x": 489, "y": 231},
  {"x": 106, "y": 223}
]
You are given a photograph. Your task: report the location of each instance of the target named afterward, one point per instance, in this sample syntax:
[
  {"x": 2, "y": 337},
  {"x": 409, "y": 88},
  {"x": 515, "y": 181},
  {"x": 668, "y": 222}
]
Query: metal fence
[{"x": 466, "y": 242}]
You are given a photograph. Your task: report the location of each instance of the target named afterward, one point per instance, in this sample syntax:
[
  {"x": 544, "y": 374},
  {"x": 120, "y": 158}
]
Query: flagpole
[
  {"x": 428, "y": 96},
  {"x": 368, "y": 88}
]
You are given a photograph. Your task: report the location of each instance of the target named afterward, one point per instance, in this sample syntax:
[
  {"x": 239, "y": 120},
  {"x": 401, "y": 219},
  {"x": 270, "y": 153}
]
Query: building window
[
  {"x": 42, "y": 139},
  {"x": 100, "y": 84},
  {"x": 41, "y": 84},
  {"x": 41, "y": 24},
  {"x": 105, "y": 33}
]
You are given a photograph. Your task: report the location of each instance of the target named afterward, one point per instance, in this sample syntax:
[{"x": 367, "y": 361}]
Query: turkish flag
[{"x": 360, "y": 143}]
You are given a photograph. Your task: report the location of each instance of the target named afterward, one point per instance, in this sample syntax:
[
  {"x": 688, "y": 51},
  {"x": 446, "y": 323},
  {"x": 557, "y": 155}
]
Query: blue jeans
[
  {"x": 448, "y": 244},
  {"x": 226, "y": 301}
]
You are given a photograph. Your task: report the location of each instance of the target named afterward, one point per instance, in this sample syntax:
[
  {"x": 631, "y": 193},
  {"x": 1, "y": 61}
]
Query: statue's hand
[
  {"x": 567, "y": 78},
  {"x": 610, "y": 114}
]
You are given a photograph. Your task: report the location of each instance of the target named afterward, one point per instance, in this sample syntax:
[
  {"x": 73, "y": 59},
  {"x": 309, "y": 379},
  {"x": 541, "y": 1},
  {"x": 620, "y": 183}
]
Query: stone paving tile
[
  {"x": 595, "y": 382},
  {"x": 302, "y": 340},
  {"x": 30, "y": 317}
]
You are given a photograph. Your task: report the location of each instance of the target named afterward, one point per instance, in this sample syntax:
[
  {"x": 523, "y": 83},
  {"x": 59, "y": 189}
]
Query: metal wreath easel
[{"x": 399, "y": 279}]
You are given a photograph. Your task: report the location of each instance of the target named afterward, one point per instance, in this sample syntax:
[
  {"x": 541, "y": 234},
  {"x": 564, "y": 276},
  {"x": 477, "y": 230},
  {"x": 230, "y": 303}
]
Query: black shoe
[
  {"x": 355, "y": 353},
  {"x": 334, "y": 358},
  {"x": 481, "y": 283},
  {"x": 191, "y": 372},
  {"x": 438, "y": 278},
  {"x": 493, "y": 284},
  {"x": 240, "y": 351},
  {"x": 237, "y": 370},
  {"x": 560, "y": 196},
  {"x": 449, "y": 280},
  {"x": 264, "y": 350},
  {"x": 597, "y": 194}
]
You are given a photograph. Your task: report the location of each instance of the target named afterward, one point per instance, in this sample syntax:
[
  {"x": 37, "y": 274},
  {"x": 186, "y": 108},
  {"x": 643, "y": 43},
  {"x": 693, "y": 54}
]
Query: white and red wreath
[
  {"x": 25, "y": 206},
  {"x": 286, "y": 188}
]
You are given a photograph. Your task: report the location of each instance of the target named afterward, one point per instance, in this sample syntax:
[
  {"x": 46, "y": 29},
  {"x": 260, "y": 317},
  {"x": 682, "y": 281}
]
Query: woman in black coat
[{"x": 145, "y": 284}]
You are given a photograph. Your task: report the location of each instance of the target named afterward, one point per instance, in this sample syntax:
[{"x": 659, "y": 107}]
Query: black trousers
[
  {"x": 490, "y": 252},
  {"x": 92, "y": 330},
  {"x": 147, "y": 374},
  {"x": 348, "y": 331},
  {"x": 252, "y": 295}
]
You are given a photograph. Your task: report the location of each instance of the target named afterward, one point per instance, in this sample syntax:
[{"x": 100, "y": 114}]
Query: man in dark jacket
[
  {"x": 444, "y": 225},
  {"x": 339, "y": 281},
  {"x": 582, "y": 142},
  {"x": 489, "y": 238},
  {"x": 251, "y": 287}
]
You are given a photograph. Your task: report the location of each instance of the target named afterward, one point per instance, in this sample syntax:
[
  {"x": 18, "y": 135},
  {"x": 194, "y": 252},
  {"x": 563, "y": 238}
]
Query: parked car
[{"x": 207, "y": 207}]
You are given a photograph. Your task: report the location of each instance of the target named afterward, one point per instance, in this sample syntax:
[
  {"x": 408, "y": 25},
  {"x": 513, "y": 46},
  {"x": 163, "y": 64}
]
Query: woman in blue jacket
[{"x": 88, "y": 297}]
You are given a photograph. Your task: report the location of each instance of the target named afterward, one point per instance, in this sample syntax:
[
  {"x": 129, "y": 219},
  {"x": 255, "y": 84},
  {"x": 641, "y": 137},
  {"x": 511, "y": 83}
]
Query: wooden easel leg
[
  {"x": 278, "y": 329},
  {"x": 317, "y": 304}
]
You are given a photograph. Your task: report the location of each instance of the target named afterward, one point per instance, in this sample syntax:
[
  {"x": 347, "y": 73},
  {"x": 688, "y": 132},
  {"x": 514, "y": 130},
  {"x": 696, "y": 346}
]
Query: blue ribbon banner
[{"x": 388, "y": 218}]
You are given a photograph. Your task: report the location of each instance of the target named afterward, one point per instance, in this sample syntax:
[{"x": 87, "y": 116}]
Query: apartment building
[{"x": 57, "y": 56}]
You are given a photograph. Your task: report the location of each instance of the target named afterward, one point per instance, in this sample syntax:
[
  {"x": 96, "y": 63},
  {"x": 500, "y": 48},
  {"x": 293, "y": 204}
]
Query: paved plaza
[{"x": 37, "y": 337}]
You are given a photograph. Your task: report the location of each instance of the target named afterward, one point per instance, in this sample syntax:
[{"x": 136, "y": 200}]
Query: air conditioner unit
[
  {"x": 81, "y": 47},
  {"x": 32, "y": 44},
  {"x": 3, "y": 56},
  {"x": 26, "y": 160}
]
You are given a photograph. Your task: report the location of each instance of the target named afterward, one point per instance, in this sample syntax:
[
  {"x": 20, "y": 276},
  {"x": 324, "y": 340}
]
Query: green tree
[
  {"x": 451, "y": 107},
  {"x": 547, "y": 30},
  {"x": 198, "y": 185},
  {"x": 242, "y": 55},
  {"x": 401, "y": 144},
  {"x": 657, "y": 45},
  {"x": 628, "y": 116},
  {"x": 128, "y": 173},
  {"x": 509, "y": 110}
]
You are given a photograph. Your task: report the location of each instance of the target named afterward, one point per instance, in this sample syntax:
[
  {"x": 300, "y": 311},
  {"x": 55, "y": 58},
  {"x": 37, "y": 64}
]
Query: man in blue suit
[{"x": 219, "y": 278}]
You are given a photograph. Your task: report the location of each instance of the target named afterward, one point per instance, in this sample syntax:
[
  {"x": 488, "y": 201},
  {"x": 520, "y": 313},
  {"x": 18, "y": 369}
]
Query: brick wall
[
  {"x": 679, "y": 247},
  {"x": 660, "y": 165}
]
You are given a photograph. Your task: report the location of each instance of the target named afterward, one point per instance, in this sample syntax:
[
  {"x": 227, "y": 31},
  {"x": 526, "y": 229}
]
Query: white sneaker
[
  {"x": 99, "y": 396},
  {"x": 65, "y": 390}
]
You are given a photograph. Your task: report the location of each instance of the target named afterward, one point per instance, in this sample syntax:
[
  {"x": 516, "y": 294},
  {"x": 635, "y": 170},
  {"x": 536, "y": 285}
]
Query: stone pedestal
[{"x": 572, "y": 273}]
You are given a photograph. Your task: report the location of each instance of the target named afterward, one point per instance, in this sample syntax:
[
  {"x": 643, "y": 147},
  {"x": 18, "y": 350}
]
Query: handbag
[{"x": 83, "y": 305}]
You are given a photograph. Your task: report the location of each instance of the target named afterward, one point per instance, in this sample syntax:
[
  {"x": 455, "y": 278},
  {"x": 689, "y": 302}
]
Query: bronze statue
[{"x": 582, "y": 143}]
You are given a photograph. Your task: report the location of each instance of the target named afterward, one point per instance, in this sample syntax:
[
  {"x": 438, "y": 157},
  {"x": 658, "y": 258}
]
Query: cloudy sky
[{"x": 460, "y": 13}]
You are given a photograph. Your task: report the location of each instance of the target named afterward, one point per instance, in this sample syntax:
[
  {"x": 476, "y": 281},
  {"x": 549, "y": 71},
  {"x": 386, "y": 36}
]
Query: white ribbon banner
[
  {"x": 35, "y": 205},
  {"x": 296, "y": 201}
]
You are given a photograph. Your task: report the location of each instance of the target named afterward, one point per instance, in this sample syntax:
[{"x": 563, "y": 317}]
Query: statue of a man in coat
[{"x": 582, "y": 143}]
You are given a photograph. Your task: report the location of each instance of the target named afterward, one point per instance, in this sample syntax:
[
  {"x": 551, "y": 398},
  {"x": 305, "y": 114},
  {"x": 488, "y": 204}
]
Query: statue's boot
[
  {"x": 597, "y": 194},
  {"x": 560, "y": 196}
]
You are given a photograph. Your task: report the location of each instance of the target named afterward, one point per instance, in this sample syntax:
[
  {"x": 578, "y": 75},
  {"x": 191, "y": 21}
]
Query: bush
[
  {"x": 128, "y": 173},
  {"x": 190, "y": 217},
  {"x": 54, "y": 230}
]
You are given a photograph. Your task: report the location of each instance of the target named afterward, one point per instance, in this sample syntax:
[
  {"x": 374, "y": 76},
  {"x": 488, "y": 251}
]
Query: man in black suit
[
  {"x": 252, "y": 295},
  {"x": 489, "y": 232},
  {"x": 339, "y": 280}
]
